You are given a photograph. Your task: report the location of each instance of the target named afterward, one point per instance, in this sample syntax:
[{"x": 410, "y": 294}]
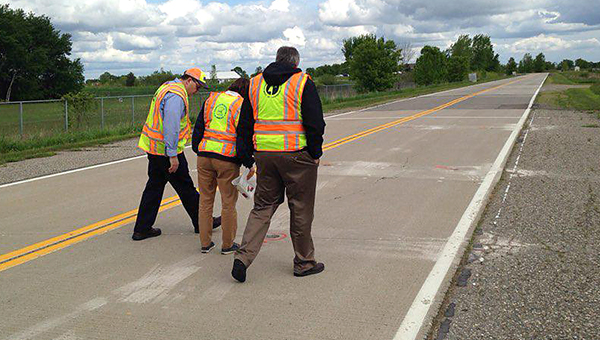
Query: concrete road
[{"x": 388, "y": 200}]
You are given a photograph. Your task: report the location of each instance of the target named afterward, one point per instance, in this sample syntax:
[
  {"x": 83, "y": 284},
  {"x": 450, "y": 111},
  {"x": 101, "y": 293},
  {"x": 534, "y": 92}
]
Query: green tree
[
  {"x": 458, "y": 68},
  {"x": 483, "y": 57},
  {"x": 431, "y": 67},
  {"x": 567, "y": 64},
  {"x": 539, "y": 64},
  {"x": 511, "y": 66},
  {"x": 582, "y": 63},
  {"x": 526, "y": 64},
  {"x": 259, "y": 70},
  {"x": 130, "y": 80},
  {"x": 240, "y": 72},
  {"x": 213, "y": 72},
  {"x": 462, "y": 48},
  {"x": 157, "y": 78},
  {"x": 34, "y": 61},
  {"x": 373, "y": 62}
]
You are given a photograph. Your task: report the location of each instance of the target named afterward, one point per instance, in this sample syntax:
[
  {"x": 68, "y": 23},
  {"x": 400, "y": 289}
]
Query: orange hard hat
[{"x": 197, "y": 74}]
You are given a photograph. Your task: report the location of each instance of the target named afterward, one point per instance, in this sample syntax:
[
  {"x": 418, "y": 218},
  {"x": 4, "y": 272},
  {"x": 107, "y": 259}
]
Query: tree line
[{"x": 34, "y": 60}]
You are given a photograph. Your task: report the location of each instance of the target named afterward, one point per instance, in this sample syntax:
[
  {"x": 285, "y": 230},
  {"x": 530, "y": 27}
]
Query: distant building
[
  {"x": 577, "y": 68},
  {"x": 224, "y": 76}
]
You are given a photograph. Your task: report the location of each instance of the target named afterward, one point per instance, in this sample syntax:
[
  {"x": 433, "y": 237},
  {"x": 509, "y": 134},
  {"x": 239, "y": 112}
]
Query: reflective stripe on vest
[
  {"x": 152, "y": 139},
  {"x": 277, "y": 115},
  {"x": 221, "y": 117}
]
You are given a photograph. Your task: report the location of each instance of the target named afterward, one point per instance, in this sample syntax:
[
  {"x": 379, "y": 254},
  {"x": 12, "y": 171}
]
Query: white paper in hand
[{"x": 245, "y": 186}]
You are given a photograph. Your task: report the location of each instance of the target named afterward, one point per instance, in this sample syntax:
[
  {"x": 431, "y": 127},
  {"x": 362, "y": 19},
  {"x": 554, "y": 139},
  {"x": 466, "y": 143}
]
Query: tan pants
[
  {"x": 292, "y": 173},
  {"x": 212, "y": 173}
]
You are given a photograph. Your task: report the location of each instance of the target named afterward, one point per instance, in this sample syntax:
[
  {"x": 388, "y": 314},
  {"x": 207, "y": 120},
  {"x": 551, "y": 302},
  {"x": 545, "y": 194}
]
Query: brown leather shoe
[{"x": 319, "y": 267}]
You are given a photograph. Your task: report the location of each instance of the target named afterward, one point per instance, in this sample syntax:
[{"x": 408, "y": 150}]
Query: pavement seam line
[
  {"x": 413, "y": 321},
  {"x": 39, "y": 249}
]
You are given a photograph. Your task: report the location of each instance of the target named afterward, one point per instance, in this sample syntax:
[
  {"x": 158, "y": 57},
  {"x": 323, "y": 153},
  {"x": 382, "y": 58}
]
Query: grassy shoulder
[
  {"x": 15, "y": 149},
  {"x": 581, "y": 99}
]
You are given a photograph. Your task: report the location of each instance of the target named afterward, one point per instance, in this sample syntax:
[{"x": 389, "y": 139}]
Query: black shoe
[
  {"x": 319, "y": 267},
  {"x": 152, "y": 232},
  {"x": 239, "y": 270},
  {"x": 216, "y": 222},
  {"x": 231, "y": 249},
  {"x": 209, "y": 248}
]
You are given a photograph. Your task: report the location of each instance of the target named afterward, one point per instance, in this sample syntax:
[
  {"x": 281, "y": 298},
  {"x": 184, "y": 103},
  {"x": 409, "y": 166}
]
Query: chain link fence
[{"x": 47, "y": 117}]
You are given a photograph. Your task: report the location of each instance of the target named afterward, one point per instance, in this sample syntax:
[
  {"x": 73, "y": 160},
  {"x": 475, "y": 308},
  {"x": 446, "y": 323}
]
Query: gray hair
[{"x": 288, "y": 55}]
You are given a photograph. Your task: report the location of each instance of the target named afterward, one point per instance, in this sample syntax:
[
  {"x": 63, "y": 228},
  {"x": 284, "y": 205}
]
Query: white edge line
[
  {"x": 136, "y": 157},
  {"x": 414, "y": 320}
]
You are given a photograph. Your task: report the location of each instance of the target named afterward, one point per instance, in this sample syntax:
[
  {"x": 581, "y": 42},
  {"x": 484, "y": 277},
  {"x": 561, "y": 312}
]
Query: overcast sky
[{"x": 141, "y": 36}]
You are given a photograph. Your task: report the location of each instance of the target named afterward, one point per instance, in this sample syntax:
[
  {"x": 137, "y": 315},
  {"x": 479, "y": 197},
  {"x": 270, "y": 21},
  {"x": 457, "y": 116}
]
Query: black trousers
[{"x": 158, "y": 176}]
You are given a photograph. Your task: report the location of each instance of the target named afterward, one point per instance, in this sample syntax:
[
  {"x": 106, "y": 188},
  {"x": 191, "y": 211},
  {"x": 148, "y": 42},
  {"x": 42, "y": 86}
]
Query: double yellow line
[{"x": 59, "y": 242}]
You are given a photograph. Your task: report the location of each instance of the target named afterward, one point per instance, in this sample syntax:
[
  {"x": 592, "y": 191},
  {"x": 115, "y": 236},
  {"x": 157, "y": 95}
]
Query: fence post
[
  {"x": 102, "y": 111},
  {"x": 21, "y": 118},
  {"x": 66, "y": 115},
  {"x": 132, "y": 110}
]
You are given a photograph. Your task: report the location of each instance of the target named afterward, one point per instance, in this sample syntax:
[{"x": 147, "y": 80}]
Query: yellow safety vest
[
  {"x": 221, "y": 116},
  {"x": 277, "y": 116},
  {"x": 152, "y": 139}
]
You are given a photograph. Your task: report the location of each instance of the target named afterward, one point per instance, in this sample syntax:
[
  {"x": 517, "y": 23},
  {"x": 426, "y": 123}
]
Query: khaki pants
[
  {"x": 292, "y": 173},
  {"x": 212, "y": 173}
]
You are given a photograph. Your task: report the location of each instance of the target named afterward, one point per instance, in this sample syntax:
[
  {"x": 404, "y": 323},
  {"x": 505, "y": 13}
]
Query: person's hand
[
  {"x": 251, "y": 173},
  {"x": 317, "y": 161},
  {"x": 174, "y": 164}
]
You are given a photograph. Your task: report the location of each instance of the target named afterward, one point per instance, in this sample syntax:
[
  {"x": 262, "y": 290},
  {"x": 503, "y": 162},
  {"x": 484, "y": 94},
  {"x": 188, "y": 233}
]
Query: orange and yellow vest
[
  {"x": 152, "y": 139},
  {"x": 221, "y": 117},
  {"x": 277, "y": 116}
]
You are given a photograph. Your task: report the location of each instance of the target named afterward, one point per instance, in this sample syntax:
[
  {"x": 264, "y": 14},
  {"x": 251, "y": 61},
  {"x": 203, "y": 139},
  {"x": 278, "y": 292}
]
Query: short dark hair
[
  {"x": 288, "y": 55},
  {"x": 240, "y": 86}
]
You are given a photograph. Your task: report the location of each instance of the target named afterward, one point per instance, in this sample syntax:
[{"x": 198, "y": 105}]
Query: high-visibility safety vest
[
  {"x": 277, "y": 116},
  {"x": 152, "y": 139},
  {"x": 221, "y": 117}
]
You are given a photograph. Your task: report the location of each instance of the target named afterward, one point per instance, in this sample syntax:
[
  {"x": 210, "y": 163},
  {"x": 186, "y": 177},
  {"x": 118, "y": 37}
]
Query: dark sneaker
[
  {"x": 216, "y": 222},
  {"x": 231, "y": 249},
  {"x": 209, "y": 248},
  {"x": 152, "y": 232},
  {"x": 239, "y": 270},
  {"x": 319, "y": 267}
]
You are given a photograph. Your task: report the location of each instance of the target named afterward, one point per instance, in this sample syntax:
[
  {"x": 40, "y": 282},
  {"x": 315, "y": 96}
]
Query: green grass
[
  {"x": 12, "y": 150},
  {"x": 574, "y": 77},
  {"x": 595, "y": 88},
  {"x": 572, "y": 99},
  {"x": 49, "y": 136},
  {"x": 580, "y": 99},
  {"x": 559, "y": 78}
]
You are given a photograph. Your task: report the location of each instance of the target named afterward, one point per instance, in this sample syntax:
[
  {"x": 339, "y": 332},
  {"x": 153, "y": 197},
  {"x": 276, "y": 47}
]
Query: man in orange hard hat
[{"x": 165, "y": 133}]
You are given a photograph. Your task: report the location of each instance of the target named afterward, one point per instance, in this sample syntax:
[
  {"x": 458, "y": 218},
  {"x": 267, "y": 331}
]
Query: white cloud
[
  {"x": 551, "y": 43},
  {"x": 135, "y": 34},
  {"x": 295, "y": 36},
  {"x": 280, "y": 5}
]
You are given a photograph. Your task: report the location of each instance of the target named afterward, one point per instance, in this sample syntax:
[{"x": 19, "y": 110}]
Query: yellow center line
[{"x": 39, "y": 249}]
